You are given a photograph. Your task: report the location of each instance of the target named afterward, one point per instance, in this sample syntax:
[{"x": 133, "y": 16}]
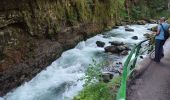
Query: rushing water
[{"x": 61, "y": 80}]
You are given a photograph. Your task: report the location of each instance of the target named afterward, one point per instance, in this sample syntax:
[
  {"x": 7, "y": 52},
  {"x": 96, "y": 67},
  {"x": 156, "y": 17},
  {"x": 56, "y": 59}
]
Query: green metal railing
[{"x": 128, "y": 68}]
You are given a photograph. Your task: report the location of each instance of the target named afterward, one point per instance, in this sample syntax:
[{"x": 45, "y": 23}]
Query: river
[{"x": 61, "y": 79}]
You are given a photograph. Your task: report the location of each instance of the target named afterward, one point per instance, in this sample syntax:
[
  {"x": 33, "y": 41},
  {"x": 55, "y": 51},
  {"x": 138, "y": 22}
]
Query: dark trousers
[{"x": 159, "y": 49}]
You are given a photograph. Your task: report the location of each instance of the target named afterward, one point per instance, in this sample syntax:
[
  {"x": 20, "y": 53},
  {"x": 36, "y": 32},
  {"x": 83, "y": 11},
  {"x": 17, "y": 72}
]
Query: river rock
[
  {"x": 121, "y": 23},
  {"x": 125, "y": 52},
  {"x": 115, "y": 27},
  {"x": 107, "y": 76},
  {"x": 127, "y": 47},
  {"x": 152, "y": 21},
  {"x": 135, "y": 37},
  {"x": 117, "y": 47},
  {"x": 121, "y": 48},
  {"x": 116, "y": 43},
  {"x": 126, "y": 26},
  {"x": 141, "y": 22},
  {"x": 129, "y": 29},
  {"x": 112, "y": 49},
  {"x": 100, "y": 43}
]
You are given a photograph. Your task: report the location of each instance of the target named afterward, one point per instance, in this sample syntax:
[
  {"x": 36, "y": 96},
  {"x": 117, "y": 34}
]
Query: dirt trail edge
[{"x": 154, "y": 83}]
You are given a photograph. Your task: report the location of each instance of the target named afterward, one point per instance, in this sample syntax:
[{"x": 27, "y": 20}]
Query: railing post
[
  {"x": 136, "y": 57},
  {"x": 121, "y": 95}
]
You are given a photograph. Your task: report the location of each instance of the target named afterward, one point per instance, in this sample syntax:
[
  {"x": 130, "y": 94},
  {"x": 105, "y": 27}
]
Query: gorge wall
[{"x": 33, "y": 33}]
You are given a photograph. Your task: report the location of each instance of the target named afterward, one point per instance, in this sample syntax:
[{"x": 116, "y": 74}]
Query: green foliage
[
  {"x": 114, "y": 85},
  {"x": 95, "y": 88},
  {"x": 93, "y": 73},
  {"x": 51, "y": 16},
  {"x": 149, "y": 9},
  {"x": 100, "y": 91}
]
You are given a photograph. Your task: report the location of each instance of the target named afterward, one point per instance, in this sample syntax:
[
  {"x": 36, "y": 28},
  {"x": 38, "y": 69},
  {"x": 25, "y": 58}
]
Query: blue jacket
[{"x": 161, "y": 34}]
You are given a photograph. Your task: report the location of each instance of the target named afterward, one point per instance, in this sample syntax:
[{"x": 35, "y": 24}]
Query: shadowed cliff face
[{"x": 33, "y": 33}]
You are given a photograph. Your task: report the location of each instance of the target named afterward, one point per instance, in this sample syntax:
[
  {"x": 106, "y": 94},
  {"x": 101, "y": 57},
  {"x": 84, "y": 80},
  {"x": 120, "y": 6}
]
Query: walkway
[{"x": 154, "y": 83}]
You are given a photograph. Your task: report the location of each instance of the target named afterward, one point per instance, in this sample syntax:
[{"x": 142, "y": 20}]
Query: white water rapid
[{"x": 61, "y": 79}]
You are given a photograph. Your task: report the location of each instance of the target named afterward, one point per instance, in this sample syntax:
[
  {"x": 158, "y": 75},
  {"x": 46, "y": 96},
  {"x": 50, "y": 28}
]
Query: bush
[
  {"x": 93, "y": 73},
  {"x": 94, "y": 88},
  {"x": 100, "y": 91}
]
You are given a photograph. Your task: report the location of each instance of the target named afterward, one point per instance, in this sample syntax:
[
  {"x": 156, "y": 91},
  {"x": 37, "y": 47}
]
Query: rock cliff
[{"x": 33, "y": 33}]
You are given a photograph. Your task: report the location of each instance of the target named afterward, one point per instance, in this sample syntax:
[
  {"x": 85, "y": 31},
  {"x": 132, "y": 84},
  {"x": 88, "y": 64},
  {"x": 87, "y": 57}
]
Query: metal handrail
[{"x": 127, "y": 69}]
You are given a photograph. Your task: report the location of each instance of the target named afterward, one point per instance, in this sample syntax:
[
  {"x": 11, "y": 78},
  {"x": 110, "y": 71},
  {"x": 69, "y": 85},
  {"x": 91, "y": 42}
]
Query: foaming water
[{"x": 62, "y": 79}]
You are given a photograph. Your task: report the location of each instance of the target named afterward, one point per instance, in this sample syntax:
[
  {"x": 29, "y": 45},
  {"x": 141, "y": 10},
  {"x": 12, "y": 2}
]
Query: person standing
[{"x": 160, "y": 39}]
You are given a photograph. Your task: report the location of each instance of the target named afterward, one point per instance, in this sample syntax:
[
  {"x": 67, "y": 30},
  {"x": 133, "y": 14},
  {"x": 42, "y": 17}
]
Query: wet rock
[
  {"x": 126, "y": 26},
  {"x": 121, "y": 48},
  {"x": 116, "y": 43},
  {"x": 115, "y": 27},
  {"x": 141, "y": 22},
  {"x": 129, "y": 29},
  {"x": 107, "y": 76},
  {"x": 151, "y": 21},
  {"x": 135, "y": 37},
  {"x": 117, "y": 47},
  {"x": 127, "y": 47},
  {"x": 125, "y": 52},
  {"x": 100, "y": 44},
  {"x": 121, "y": 23},
  {"x": 112, "y": 49}
]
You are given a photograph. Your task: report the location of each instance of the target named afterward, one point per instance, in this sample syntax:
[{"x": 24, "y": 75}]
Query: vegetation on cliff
[
  {"x": 146, "y": 9},
  {"x": 33, "y": 33}
]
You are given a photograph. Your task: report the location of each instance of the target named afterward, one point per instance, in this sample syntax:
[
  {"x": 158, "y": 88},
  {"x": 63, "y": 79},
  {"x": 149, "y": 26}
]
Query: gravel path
[{"x": 154, "y": 83}]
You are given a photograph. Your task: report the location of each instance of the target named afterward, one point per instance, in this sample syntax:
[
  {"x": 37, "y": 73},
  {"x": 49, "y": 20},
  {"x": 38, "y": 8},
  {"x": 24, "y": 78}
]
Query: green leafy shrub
[
  {"x": 95, "y": 88},
  {"x": 100, "y": 91},
  {"x": 93, "y": 73}
]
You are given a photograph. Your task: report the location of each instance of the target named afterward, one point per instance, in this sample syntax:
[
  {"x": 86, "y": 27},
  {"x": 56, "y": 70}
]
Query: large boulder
[
  {"x": 117, "y": 49},
  {"x": 121, "y": 48},
  {"x": 100, "y": 43},
  {"x": 135, "y": 37},
  {"x": 116, "y": 43},
  {"x": 112, "y": 49}
]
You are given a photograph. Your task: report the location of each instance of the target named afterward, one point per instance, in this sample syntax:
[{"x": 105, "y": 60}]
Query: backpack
[{"x": 166, "y": 32}]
